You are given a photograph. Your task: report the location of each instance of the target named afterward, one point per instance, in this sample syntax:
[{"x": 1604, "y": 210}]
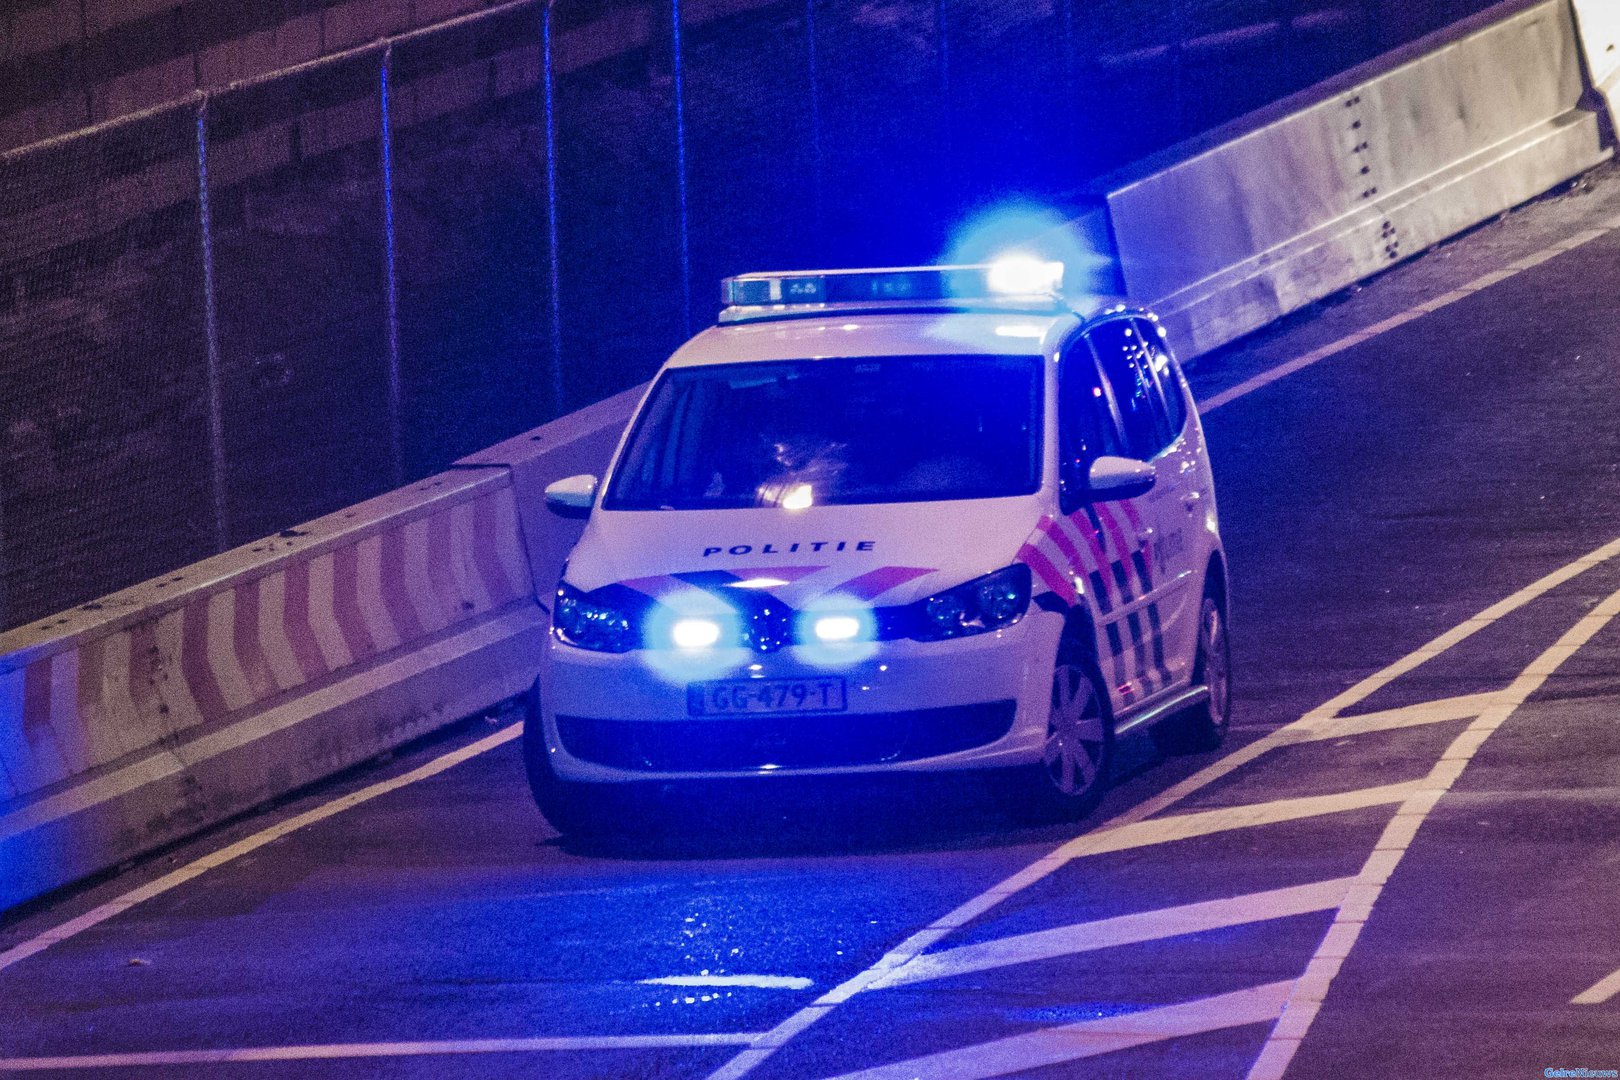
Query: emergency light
[{"x": 1014, "y": 278}]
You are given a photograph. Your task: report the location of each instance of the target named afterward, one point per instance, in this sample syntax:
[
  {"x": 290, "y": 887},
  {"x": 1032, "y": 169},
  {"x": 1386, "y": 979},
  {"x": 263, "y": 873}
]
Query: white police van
[{"x": 914, "y": 519}]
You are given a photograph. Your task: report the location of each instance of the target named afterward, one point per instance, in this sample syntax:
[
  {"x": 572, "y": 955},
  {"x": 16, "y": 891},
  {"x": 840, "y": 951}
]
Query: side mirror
[
  {"x": 572, "y": 497},
  {"x": 1119, "y": 478}
]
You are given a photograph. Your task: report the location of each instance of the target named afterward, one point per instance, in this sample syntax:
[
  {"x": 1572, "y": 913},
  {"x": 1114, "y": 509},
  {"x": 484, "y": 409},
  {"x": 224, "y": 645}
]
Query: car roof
[{"x": 892, "y": 330}]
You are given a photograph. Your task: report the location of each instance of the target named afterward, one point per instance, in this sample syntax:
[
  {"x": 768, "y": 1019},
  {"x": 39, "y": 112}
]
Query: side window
[
  {"x": 1127, "y": 365},
  {"x": 1175, "y": 403},
  {"x": 1085, "y": 416}
]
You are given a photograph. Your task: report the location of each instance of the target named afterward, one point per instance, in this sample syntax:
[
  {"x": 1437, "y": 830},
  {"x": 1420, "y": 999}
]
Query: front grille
[{"x": 788, "y": 742}]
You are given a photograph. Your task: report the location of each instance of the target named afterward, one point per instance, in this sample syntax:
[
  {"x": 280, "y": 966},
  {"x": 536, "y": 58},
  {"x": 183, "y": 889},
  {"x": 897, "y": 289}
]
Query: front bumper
[{"x": 969, "y": 703}]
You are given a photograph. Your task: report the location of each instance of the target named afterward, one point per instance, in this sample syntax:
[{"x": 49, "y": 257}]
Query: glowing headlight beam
[
  {"x": 694, "y": 633},
  {"x": 837, "y": 628}
]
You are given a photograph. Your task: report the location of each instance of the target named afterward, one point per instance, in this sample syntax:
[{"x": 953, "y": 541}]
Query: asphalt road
[{"x": 1405, "y": 861}]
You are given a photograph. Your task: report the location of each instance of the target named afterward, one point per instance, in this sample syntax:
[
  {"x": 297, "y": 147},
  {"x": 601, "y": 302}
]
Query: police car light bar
[{"x": 1013, "y": 278}]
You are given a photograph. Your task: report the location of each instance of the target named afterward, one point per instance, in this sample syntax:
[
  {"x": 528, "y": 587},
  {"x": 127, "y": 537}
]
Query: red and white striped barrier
[
  {"x": 171, "y": 705},
  {"x": 233, "y": 647}
]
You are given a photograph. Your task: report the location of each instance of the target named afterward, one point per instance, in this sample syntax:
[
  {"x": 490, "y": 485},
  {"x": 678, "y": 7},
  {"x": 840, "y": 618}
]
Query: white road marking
[
  {"x": 1300, "y": 730},
  {"x": 761, "y": 982},
  {"x": 1120, "y": 930},
  {"x": 1600, "y": 992},
  {"x": 1088, "y": 1038},
  {"x": 1167, "y": 830},
  {"x": 1333, "y": 348},
  {"x": 1312, "y": 987},
  {"x": 368, "y": 1050},
  {"x": 1465, "y": 707},
  {"x": 175, "y": 878}
]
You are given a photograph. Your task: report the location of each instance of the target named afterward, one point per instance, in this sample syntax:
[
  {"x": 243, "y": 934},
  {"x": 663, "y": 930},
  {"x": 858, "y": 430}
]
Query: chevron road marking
[
  {"x": 1120, "y": 930},
  {"x": 1466, "y": 707},
  {"x": 1089, "y": 1038},
  {"x": 1300, "y": 730},
  {"x": 1305, "y": 999}
]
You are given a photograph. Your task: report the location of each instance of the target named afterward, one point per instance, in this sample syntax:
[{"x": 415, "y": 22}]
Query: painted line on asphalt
[
  {"x": 1167, "y": 830},
  {"x": 1600, "y": 992},
  {"x": 758, "y": 982},
  {"x": 1120, "y": 930},
  {"x": 1444, "y": 710},
  {"x": 1088, "y": 1038},
  {"x": 1305, "y": 999},
  {"x": 175, "y": 878},
  {"x": 155, "y": 1058},
  {"x": 1298, "y": 731},
  {"x": 1349, "y": 341}
]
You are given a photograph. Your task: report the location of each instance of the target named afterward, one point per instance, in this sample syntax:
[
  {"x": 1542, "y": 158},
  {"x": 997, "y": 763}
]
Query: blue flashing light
[{"x": 1015, "y": 278}]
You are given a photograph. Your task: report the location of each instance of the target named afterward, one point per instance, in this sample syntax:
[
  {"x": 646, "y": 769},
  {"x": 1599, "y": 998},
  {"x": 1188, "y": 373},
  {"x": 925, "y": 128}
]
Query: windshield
[{"x": 800, "y": 433}]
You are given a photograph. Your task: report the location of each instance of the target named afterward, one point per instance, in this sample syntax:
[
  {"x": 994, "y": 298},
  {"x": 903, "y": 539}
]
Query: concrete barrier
[
  {"x": 1227, "y": 233},
  {"x": 169, "y": 706}
]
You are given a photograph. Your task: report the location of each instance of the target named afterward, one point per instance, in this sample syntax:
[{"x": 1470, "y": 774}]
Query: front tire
[
  {"x": 1203, "y": 727},
  {"x": 1078, "y": 755}
]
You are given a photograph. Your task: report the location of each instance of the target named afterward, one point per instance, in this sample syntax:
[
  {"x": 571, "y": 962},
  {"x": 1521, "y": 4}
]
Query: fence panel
[
  {"x": 752, "y": 171},
  {"x": 887, "y": 167},
  {"x": 618, "y": 205},
  {"x": 104, "y": 454},
  {"x": 295, "y": 183},
  {"x": 470, "y": 211}
]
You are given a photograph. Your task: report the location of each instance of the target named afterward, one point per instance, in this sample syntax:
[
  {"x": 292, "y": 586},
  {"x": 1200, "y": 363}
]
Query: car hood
[{"x": 885, "y": 554}]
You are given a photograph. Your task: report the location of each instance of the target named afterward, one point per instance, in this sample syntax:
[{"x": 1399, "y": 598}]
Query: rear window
[{"x": 798, "y": 433}]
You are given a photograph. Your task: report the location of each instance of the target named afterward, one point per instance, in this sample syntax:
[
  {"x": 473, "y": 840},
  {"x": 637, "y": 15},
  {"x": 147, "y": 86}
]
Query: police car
[{"x": 916, "y": 519}]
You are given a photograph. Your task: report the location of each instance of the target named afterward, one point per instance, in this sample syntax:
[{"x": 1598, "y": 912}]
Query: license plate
[{"x": 738, "y": 697}]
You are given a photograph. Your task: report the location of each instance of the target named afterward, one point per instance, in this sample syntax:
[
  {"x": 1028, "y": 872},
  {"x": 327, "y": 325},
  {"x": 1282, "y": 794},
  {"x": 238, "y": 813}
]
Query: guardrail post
[
  {"x": 549, "y": 78},
  {"x": 946, "y": 166},
  {"x": 813, "y": 77},
  {"x": 215, "y": 379},
  {"x": 385, "y": 153},
  {"x": 678, "y": 74}
]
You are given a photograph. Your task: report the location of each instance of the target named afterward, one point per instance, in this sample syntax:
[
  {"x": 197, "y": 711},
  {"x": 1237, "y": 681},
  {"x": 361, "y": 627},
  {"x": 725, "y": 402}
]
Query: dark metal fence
[{"x": 249, "y": 308}]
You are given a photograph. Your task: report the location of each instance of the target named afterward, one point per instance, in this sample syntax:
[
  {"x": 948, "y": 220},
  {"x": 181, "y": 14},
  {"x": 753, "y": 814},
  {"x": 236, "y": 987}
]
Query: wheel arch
[{"x": 1215, "y": 582}]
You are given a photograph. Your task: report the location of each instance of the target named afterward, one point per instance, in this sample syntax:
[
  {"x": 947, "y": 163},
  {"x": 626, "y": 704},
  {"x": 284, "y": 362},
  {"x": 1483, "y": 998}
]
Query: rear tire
[
  {"x": 1073, "y": 773},
  {"x": 1203, "y": 727},
  {"x": 577, "y": 810}
]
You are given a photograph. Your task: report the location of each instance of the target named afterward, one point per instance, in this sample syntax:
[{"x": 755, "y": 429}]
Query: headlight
[
  {"x": 694, "y": 633},
  {"x": 587, "y": 621},
  {"x": 989, "y": 603}
]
